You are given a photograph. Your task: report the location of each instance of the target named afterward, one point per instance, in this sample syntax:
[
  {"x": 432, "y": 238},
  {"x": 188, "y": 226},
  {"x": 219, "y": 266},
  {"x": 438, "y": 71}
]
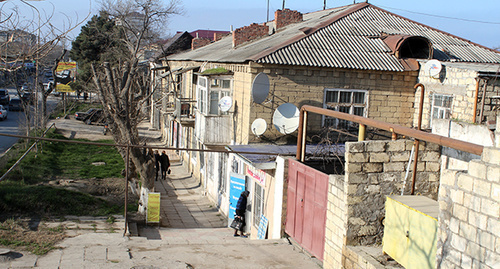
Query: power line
[{"x": 440, "y": 16}]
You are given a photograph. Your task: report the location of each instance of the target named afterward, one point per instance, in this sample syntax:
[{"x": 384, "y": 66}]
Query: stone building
[{"x": 358, "y": 59}]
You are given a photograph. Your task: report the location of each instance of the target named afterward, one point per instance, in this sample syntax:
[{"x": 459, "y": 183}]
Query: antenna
[
  {"x": 259, "y": 126},
  {"x": 225, "y": 103},
  {"x": 260, "y": 88},
  {"x": 433, "y": 68},
  {"x": 286, "y": 118}
]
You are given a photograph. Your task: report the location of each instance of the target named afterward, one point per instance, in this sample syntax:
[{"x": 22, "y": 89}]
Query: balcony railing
[
  {"x": 184, "y": 110},
  {"x": 213, "y": 130}
]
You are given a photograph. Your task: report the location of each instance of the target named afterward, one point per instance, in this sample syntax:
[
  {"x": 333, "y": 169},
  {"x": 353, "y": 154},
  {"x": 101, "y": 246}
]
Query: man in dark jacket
[
  {"x": 165, "y": 164},
  {"x": 157, "y": 163},
  {"x": 241, "y": 208}
]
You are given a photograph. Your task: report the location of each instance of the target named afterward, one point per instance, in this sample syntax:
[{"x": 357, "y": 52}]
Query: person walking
[
  {"x": 157, "y": 163},
  {"x": 165, "y": 164},
  {"x": 241, "y": 208}
]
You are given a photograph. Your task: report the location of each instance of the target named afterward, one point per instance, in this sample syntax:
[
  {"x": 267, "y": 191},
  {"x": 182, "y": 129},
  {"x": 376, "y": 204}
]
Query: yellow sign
[
  {"x": 153, "y": 210},
  {"x": 65, "y": 74}
]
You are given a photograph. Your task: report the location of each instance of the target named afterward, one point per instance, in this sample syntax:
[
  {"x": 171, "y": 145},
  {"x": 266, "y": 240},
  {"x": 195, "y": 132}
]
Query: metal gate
[{"x": 306, "y": 207}]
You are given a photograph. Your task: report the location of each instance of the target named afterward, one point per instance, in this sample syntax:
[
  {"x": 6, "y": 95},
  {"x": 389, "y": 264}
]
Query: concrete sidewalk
[{"x": 193, "y": 234}]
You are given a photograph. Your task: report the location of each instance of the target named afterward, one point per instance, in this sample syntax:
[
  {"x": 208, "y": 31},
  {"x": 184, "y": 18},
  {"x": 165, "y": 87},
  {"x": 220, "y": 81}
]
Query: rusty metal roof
[{"x": 345, "y": 37}]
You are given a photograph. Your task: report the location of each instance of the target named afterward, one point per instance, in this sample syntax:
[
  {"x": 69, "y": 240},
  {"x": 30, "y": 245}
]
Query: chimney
[
  {"x": 199, "y": 42},
  {"x": 218, "y": 36},
  {"x": 249, "y": 33},
  {"x": 286, "y": 17}
]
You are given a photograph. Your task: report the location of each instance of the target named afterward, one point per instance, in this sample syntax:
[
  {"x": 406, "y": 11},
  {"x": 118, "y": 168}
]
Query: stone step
[{"x": 132, "y": 229}]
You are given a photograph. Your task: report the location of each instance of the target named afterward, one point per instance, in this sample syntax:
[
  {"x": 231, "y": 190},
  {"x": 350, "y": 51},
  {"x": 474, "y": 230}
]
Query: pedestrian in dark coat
[
  {"x": 157, "y": 163},
  {"x": 241, "y": 208},
  {"x": 165, "y": 164}
]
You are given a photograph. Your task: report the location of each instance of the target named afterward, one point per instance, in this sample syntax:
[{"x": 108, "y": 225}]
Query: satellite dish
[
  {"x": 286, "y": 118},
  {"x": 433, "y": 68},
  {"x": 225, "y": 103},
  {"x": 259, "y": 126},
  {"x": 260, "y": 88}
]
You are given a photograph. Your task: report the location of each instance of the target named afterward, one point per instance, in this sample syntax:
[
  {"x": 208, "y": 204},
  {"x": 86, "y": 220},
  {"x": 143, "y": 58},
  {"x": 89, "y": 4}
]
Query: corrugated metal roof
[{"x": 345, "y": 37}]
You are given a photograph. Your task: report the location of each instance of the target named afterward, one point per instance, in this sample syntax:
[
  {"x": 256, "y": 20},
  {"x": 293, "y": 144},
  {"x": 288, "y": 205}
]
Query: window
[
  {"x": 441, "y": 106},
  {"x": 258, "y": 203},
  {"x": 208, "y": 98},
  {"x": 347, "y": 101},
  {"x": 202, "y": 94}
]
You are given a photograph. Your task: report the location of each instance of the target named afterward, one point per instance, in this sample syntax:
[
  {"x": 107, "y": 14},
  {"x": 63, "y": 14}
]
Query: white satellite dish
[
  {"x": 259, "y": 126},
  {"x": 286, "y": 118},
  {"x": 433, "y": 68},
  {"x": 225, "y": 103},
  {"x": 260, "y": 88}
]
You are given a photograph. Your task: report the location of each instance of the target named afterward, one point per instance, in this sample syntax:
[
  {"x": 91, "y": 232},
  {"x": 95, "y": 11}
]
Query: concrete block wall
[
  {"x": 469, "y": 219},
  {"x": 336, "y": 225},
  {"x": 375, "y": 169},
  {"x": 458, "y": 82},
  {"x": 390, "y": 96}
]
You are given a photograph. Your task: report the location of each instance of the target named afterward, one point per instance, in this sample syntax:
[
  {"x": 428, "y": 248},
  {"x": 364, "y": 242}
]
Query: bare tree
[
  {"x": 30, "y": 40},
  {"x": 123, "y": 84}
]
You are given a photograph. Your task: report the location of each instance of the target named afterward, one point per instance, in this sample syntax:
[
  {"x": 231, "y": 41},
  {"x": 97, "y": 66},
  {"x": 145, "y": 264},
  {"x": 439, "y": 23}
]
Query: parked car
[
  {"x": 16, "y": 104},
  {"x": 4, "y": 97},
  {"x": 82, "y": 115},
  {"x": 3, "y": 113},
  {"x": 92, "y": 115},
  {"x": 27, "y": 97}
]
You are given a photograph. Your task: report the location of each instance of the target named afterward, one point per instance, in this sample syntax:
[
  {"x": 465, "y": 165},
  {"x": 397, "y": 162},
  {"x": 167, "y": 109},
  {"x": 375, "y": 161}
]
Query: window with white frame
[
  {"x": 347, "y": 101},
  {"x": 209, "y": 97},
  {"x": 441, "y": 106},
  {"x": 201, "y": 90},
  {"x": 258, "y": 207}
]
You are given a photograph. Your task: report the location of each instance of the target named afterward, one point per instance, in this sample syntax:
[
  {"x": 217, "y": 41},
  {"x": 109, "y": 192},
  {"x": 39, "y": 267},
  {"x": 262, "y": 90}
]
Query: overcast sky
[{"x": 477, "y": 21}]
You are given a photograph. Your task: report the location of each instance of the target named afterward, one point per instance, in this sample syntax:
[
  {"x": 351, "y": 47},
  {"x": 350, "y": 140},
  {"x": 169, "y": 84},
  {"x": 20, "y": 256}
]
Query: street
[{"x": 16, "y": 121}]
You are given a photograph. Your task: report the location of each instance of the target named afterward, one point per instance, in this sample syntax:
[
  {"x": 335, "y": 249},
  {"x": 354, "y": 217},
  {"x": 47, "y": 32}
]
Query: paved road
[{"x": 15, "y": 122}]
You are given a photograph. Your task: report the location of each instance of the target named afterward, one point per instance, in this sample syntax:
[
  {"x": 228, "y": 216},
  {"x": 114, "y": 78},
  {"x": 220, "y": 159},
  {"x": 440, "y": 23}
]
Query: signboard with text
[
  {"x": 153, "y": 210},
  {"x": 65, "y": 74}
]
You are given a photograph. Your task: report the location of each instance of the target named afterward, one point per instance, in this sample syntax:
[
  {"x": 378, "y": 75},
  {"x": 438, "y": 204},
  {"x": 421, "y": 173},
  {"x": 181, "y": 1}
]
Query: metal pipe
[
  {"x": 126, "y": 188},
  {"x": 474, "y": 110},
  {"x": 417, "y": 141},
  {"x": 362, "y": 132},
  {"x": 298, "y": 156},
  {"x": 304, "y": 135},
  {"x": 406, "y": 131}
]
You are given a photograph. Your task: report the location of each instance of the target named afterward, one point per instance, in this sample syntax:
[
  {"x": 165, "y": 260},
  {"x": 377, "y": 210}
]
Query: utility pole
[
  {"x": 283, "y": 8},
  {"x": 324, "y": 5}
]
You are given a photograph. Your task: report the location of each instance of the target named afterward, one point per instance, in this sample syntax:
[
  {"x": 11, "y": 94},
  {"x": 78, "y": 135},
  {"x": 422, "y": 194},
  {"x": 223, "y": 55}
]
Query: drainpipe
[
  {"x": 474, "y": 110},
  {"x": 417, "y": 141}
]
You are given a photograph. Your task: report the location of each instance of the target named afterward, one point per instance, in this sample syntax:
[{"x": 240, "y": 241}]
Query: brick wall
[
  {"x": 199, "y": 42},
  {"x": 286, "y": 16},
  {"x": 469, "y": 224},
  {"x": 248, "y": 33}
]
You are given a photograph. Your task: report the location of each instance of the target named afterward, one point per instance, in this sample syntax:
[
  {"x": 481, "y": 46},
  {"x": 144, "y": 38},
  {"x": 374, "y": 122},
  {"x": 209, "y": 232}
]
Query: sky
[{"x": 477, "y": 21}]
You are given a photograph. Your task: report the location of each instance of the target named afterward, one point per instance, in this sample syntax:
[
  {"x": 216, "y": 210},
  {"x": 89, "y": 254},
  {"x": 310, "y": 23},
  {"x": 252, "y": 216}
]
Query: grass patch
[
  {"x": 14, "y": 233},
  {"x": 16, "y": 198},
  {"x": 67, "y": 160}
]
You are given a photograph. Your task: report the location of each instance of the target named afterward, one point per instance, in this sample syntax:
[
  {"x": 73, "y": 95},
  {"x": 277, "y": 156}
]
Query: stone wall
[
  {"x": 375, "y": 169},
  {"x": 390, "y": 95},
  {"x": 356, "y": 200},
  {"x": 469, "y": 224},
  {"x": 461, "y": 84}
]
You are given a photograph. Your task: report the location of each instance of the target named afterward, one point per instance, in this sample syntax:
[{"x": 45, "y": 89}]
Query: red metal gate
[{"x": 306, "y": 207}]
